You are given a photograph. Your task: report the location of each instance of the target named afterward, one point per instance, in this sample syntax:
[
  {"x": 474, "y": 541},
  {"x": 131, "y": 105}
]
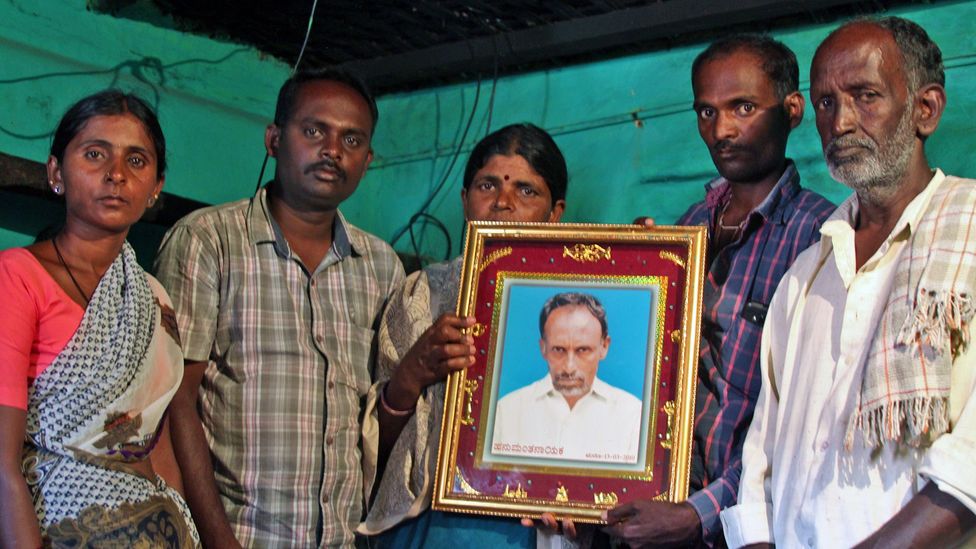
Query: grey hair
[{"x": 580, "y": 299}]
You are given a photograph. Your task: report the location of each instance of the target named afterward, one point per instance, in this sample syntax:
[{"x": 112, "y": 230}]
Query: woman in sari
[
  {"x": 89, "y": 351},
  {"x": 514, "y": 174}
]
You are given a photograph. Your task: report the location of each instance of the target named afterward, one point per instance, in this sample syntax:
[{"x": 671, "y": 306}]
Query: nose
[
  {"x": 116, "y": 170},
  {"x": 844, "y": 118},
  {"x": 725, "y": 126},
  {"x": 571, "y": 363},
  {"x": 505, "y": 199},
  {"x": 332, "y": 145}
]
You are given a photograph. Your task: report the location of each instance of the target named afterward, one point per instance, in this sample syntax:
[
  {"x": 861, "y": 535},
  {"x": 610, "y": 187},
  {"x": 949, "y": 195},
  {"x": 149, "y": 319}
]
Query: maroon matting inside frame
[{"x": 546, "y": 257}]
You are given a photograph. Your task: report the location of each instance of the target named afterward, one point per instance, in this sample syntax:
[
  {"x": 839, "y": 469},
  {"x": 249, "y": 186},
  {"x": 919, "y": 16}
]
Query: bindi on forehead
[{"x": 506, "y": 177}]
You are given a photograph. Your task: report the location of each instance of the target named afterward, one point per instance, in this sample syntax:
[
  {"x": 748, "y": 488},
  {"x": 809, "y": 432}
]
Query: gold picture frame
[{"x": 648, "y": 282}]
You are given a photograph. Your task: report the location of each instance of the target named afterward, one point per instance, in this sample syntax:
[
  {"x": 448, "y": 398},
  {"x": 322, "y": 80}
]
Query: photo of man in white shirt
[{"x": 570, "y": 413}]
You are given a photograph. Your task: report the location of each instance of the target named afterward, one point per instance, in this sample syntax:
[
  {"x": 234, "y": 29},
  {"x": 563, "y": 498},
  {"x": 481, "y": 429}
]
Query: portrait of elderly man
[{"x": 570, "y": 413}]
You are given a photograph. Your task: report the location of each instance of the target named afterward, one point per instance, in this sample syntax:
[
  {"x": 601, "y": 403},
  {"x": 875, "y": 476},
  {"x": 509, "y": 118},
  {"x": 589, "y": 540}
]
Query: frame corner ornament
[{"x": 673, "y": 258}]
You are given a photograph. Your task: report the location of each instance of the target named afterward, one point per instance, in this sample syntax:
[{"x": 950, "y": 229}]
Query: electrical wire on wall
[
  {"x": 421, "y": 213},
  {"x": 294, "y": 69}
]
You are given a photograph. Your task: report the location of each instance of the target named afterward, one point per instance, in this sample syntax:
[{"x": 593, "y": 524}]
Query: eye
[
  {"x": 93, "y": 154},
  {"x": 311, "y": 131},
  {"x": 824, "y": 103},
  {"x": 353, "y": 141},
  {"x": 745, "y": 109},
  {"x": 484, "y": 185},
  {"x": 527, "y": 190},
  {"x": 137, "y": 161},
  {"x": 868, "y": 96},
  {"x": 706, "y": 112}
]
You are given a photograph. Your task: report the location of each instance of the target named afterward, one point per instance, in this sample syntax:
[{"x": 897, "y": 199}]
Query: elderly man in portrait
[
  {"x": 864, "y": 431},
  {"x": 570, "y": 413}
]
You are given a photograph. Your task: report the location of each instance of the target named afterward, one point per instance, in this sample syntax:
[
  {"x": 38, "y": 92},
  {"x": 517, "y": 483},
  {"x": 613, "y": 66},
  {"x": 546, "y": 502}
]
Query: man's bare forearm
[{"x": 932, "y": 518}]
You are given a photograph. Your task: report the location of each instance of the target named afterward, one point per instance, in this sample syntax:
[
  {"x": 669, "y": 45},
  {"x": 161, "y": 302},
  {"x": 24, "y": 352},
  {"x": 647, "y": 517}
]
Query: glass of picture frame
[{"x": 582, "y": 394}]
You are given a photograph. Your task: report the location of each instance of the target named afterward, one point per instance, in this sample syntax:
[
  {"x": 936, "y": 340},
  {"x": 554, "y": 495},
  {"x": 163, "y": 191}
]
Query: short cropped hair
[
  {"x": 531, "y": 143},
  {"x": 922, "y": 57},
  {"x": 567, "y": 299},
  {"x": 778, "y": 61},
  {"x": 109, "y": 103},
  {"x": 289, "y": 91}
]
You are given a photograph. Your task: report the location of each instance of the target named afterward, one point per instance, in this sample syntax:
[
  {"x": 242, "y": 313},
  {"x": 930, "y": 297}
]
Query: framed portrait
[{"x": 582, "y": 393}]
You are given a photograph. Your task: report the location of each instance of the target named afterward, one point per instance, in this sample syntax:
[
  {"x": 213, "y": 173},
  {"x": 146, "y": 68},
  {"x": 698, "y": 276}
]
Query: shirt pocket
[{"x": 358, "y": 352}]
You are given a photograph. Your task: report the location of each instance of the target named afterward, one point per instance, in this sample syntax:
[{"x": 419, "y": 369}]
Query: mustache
[
  {"x": 848, "y": 142},
  {"x": 569, "y": 377},
  {"x": 727, "y": 145},
  {"x": 326, "y": 163}
]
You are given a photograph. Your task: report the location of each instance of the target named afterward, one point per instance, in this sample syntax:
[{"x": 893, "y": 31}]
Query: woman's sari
[{"x": 99, "y": 407}]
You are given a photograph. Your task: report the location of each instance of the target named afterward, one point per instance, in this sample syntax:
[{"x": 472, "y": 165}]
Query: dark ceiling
[{"x": 409, "y": 45}]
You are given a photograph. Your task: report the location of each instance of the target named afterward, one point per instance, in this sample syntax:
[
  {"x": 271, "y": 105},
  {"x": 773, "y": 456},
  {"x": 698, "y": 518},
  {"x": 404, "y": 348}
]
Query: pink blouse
[{"x": 37, "y": 319}]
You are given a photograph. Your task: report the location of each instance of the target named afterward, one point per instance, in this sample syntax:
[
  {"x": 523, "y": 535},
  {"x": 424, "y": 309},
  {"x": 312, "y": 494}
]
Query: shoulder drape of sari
[{"x": 98, "y": 406}]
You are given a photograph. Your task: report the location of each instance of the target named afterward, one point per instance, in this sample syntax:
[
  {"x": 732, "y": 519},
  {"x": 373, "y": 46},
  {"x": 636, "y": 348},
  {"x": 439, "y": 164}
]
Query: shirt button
[
  {"x": 331, "y": 385},
  {"x": 329, "y": 440},
  {"x": 318, "y": 338},
  {"x": 312, "y": 283},
  {"x": 824, "y": 446}
]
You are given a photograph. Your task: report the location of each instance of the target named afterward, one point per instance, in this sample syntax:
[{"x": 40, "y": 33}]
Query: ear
[
  {"x": 605, "y": 348},
  {"x": 54, "y": 172},
  {"x": 272, "y": 135},
  {"x": 557, "y": 211},
  {"x": 159, "y": 186},
  {"x": 794, "y": 105},
  {"x": 930, "y": 102},
  {"x": 542, "y": 346},
  {"x": 369, "y": 159}
]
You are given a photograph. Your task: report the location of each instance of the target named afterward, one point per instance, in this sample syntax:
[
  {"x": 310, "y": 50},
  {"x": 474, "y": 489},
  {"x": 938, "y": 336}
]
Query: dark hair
[
  {"x": 531, "y": 143},
  {"x": 109, "y": 103},
  {"x": 289, "y": 90},
  {"x": 778, "y": 61},
  {"x": 573, "y": 298},
  {"x": 922, "y": 57}
]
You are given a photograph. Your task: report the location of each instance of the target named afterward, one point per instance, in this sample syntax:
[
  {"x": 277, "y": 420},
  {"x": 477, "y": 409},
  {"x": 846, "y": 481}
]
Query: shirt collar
[
  {"x": 719, "y": 191},
  {"x": 263, "y": 229},
  {"x": 840, "y": 224}
]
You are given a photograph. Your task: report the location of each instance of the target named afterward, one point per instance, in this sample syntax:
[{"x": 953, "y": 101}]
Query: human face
[
  {"x": 323, "y": 150},
  {"x": 508, "y": 189},
  {"x": 864, "y": 112},
  {"x": 108, "y": 173},
  {"x": 741, "y": 119},
  {"x": 573, "y": 345}
]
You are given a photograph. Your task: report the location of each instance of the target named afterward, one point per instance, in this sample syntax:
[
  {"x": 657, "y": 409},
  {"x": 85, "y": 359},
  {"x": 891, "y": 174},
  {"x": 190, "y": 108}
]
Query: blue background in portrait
[{"x": 628, "y": 323}]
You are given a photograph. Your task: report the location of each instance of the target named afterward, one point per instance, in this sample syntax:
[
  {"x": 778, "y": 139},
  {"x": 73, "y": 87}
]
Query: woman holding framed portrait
[{"x": 514, "y": 174}]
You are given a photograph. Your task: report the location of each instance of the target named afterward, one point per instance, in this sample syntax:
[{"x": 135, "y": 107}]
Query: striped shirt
[
  {"x": 289, "y": 354},
  {"x": 739, "y": 286}
]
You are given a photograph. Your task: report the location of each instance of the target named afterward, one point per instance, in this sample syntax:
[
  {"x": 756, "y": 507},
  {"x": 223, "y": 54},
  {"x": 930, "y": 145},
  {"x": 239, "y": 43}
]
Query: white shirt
[
  {"x": 800, "y": 487},
  {"x": 536, "y": 421}
]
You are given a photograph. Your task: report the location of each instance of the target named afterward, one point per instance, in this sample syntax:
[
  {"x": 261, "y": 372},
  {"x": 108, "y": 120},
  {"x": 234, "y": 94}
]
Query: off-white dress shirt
[
  {"x": 536, "y": 421},
  {"x": 800, "y": 486}
]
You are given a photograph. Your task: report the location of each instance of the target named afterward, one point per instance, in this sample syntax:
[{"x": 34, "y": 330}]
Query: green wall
[{"x": 215, "y": 98}]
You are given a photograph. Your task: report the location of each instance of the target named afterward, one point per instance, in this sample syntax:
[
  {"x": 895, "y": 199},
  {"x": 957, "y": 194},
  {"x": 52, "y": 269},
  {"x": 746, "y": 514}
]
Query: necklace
[
  {"x": 68, "y": 269},
  {"x": 721, "y": 220}
]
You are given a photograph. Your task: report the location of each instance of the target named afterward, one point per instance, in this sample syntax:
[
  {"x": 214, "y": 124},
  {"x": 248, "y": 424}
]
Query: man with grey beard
[
  {"x": 570, "y": 413},
  {"x": 865, "y": 430}
]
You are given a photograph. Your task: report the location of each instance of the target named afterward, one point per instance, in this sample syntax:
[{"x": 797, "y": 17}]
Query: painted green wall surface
[{"x": 625, "y": 125}]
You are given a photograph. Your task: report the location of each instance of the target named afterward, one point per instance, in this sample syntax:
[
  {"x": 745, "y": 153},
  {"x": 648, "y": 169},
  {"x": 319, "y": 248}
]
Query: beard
[
  {"x": 874, "y": 173},
  {"x": 570, "y": 385}
]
